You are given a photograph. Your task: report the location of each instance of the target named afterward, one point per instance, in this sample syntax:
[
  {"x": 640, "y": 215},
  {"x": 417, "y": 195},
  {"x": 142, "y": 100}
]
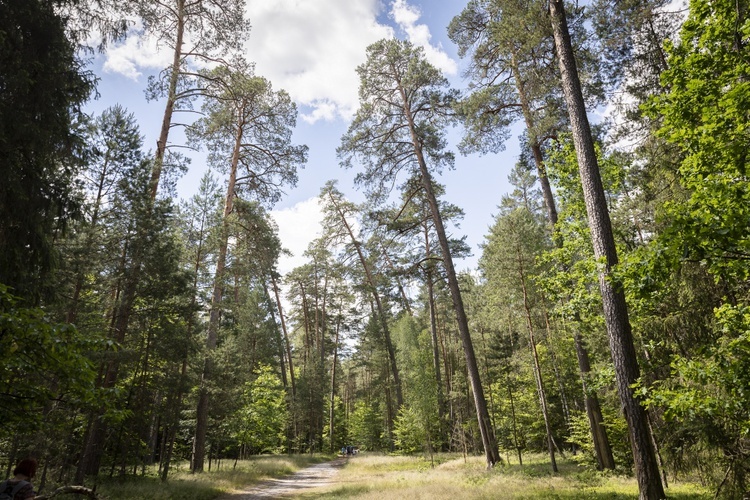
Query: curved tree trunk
[
  {"x": 483, "y": 417},
  {"x": 492, "y": 454}
]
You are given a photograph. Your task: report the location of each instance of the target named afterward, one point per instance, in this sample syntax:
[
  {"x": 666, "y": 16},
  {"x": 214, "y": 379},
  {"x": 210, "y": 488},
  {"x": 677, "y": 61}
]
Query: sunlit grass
[
  {"x": 376, "y": 477},
  {"x": 182, "y": 485},
  {"x": 379, "y": 477}
]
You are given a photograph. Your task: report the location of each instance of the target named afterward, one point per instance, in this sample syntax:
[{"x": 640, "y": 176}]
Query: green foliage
[
  {"x": 261, "y": 419},
  {"x": 708, "y": 396},
  {"x": 704, "y": 113},
  {"x": 41, "y": 363},
  {"x": 365, "y": 427},
  {"x": 379, "y": 138},
  {"x": 410, "y": 431},
  {"x": 244, "y": 116},
  {"x": 43, "y": 86},
  {"x": 698, "y": 262},
  {"x": 417, "y": 425}
]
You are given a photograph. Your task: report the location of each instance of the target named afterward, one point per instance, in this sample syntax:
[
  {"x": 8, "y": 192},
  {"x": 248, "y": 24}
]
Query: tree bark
[
  {"x": 536, "y": 149},
  {"x": 166, "y": 124},
  {"x": 602, "y": 448},
  {"x": 613, "y": 297},
  {"x": 332, "y": 399},
  {"x": 378, "y": 303},
  {"x": 492, "y": 454},
  {"x": 201, "y": 422},
  {"x": 593, "y": 410},
  {"x": 286, "y": 336},
  {"x": 537, "y": 368},
  {"x": 433, "y": 332}
]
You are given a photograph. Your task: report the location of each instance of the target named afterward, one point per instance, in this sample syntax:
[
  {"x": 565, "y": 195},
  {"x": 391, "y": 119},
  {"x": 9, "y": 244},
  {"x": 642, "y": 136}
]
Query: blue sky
[{"x": 311, "y": 48}]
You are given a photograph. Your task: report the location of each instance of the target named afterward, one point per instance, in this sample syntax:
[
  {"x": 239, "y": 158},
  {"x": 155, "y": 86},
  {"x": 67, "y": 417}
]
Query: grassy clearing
[
  {"x": 370, "y": 476},
  {"x": 206, "y": 486}
]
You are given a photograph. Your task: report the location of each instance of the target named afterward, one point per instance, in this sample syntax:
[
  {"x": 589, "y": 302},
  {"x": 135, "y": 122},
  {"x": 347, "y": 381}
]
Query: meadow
[
  {"x": 453, "y": 477},
  {"x": 222, "y": 478},
  {"x": 377, "y": 476}
]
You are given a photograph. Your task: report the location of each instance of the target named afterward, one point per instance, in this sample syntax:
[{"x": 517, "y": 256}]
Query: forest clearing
[
  {"x": 166, "y": 312},
  {"x": 378, "y": 476}
]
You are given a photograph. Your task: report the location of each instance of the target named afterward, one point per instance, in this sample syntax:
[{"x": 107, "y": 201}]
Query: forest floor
[
  {"x": 376, "y": 476},
  {"x": 451, "y": 477}
]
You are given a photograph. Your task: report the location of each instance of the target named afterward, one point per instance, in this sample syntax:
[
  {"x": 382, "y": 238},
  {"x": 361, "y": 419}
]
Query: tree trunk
[
  {"x": 613, "y": 297},
  {"x": 593, "y": 410},
  {"x": 434, "y": 336},
  {"x": 166, "y": 124},
  {"x": 378, "y": 303},
  {"x": 201, "y": 418},
  {"x": 286, "y": 336},
  {"x": 536, "y": 150},
  {"x": 483, "y": 418},
  {"x": 602, "y": 448},
  {"x": 399, "y": 285},
  {"x": 332, "y": 399},
  {"x": 537, "y": 368},
  {"x": 279, "y": 339}
]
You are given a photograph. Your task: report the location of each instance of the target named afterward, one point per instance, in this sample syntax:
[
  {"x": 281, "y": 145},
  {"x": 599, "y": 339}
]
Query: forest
[{"x": 607, "y": 322}]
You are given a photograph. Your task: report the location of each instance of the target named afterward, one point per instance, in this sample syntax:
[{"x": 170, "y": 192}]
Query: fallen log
[{"x": 70, "y": 490}]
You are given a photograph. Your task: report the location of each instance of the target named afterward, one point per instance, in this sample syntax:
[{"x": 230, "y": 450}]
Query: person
[{"x": 20, "y": 487}]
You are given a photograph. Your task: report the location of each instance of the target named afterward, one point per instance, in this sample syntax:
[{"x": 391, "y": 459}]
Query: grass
[
  {"x": 372, "y": 476},
  {"x": 182, "y": 485}
]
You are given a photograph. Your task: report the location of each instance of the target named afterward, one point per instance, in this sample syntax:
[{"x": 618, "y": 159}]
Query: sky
[{"x": 310, "y": 48}]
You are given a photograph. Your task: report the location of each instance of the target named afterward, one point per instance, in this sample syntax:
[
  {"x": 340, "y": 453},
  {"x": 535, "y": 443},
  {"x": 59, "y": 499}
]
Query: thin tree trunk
[
  {"x": 175, "y": 411},
  {"x": 434, "y": 335},
  {"x": 400, "y": 286},
  {"x": 515, "y": 426},
  {"x": 556, "y": 369},
  {"x": 378, "y": 303},
  {"x": 536, "y": 149},
  {"x": 602, "y": 448},
  {"x": 483, "y": 418},
  {"x": 537, "y": 368},
  {"x": 284, "y": 331},
  {"x": 97, "y": 429},
  {"x": 279, "y": 339},
  {"x": 332, "y": 399},
  {"x": 201, "y": 424},
  {"x": 613, "y": 297}
]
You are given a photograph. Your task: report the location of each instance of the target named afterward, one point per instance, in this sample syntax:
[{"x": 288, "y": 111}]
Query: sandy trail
[{"x": 311, "y": 477}]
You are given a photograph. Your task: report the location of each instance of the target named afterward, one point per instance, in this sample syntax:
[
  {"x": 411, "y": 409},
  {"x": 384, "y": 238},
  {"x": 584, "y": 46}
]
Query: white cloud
[
  {"x": 298, "y": 226},
  {"x": 136, "y": 53},
  {"x": 406, "y": 16},
  {"x": 311, "y": 49},
  {"x": 322, "y": 110}
]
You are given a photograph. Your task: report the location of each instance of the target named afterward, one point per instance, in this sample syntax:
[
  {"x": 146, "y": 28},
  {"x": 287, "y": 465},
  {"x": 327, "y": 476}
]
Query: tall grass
[
  {"x": 182, "y": 485},
  {"x": 370, "y": 476}
]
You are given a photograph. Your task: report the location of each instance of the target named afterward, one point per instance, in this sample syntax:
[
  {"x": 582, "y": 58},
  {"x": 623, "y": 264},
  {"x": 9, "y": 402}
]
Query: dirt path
[{"x": 311, "y": 477}]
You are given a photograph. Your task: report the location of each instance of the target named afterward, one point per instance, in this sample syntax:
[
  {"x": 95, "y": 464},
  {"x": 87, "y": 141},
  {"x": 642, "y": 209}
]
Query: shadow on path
[{"x": 314, "y": 476}]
